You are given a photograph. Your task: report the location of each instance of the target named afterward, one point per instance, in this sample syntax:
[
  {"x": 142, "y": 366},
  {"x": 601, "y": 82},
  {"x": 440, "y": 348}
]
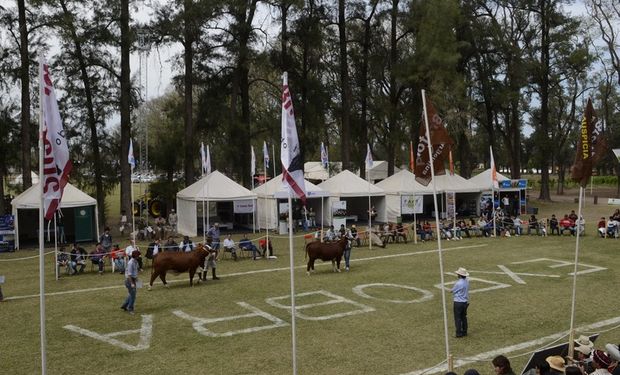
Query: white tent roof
[
  {"x": 314, "y": 170},
  {"x": 403, "y": 182},
  {"x": 275, "y": 189},
  {"x": 215, "y": 187},
  {"x": 20, "y": 178},
  {"x": 456, "y": 183},
  {"x": 379, "y": 170},
  {"x": 347, "y": 184},
  {"x": 483, "y": 180},
  {"x": 72, "y": 197}
]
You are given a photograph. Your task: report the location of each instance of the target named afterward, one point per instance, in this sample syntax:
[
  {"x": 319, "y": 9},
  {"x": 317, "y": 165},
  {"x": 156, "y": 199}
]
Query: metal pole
[
  {"x": 41, "y": 227},
  {"x": 443, "y": 291},
  {"x": 571, "y": 339},
  {"x": 292, "y": 265}
]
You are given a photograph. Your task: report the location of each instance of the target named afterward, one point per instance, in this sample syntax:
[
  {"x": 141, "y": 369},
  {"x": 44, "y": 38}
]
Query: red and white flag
[
  {"x": 290, "y": 152},
  {"x": 494, "y": 180},
  {"x": 56, "y": 162}
]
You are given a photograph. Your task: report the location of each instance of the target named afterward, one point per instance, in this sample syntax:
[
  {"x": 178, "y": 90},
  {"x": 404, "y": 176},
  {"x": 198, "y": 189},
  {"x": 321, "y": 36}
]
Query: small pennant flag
[
  {"x": 130, "y": 158},
  {"x": 368, "y": 158},
  {"x": 253, "y": 161},
  {"x": 324, "y": 156},
  {"x": 265, "y": 156},
  {"x": 494, "y": 180}
]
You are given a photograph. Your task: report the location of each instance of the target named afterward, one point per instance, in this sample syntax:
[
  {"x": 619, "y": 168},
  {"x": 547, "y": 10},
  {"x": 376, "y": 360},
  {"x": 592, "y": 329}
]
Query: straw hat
[
  {"x": 462, "y": 272},
  {"x": 556, "y": 362}
]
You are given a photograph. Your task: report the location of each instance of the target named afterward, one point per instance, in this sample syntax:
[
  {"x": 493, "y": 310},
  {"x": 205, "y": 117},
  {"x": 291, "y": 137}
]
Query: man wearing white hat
[{"x": 460, "y": 292}]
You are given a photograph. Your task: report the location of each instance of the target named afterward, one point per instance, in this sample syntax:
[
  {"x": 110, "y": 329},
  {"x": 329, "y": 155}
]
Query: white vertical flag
[
  {"x": 203, "y": 158},
  {"x": 130, "y": 158},
  {"x": 252, "y": 162},
  {"x": 324, "y": 156},
  {"x": 368, "y": 158},
  {"x": 265, "y": 157},
  {"x": 290, "y": 152},
  {"x": 493, "y": 171},
  {"x": 208, "y": 161},
  {"x": 56, "y": 162}
]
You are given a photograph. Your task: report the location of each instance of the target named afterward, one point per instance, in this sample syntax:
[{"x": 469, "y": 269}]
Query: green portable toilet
[{"x": 83, "y": 223}]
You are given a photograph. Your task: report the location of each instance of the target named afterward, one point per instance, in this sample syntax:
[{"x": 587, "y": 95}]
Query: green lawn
[{"x": 385, "y": 315}]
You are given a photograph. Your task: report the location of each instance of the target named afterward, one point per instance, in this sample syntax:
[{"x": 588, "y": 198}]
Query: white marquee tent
[
  {"x": 379, "y": 170},
  {"x": 483, "y": 180},
  {"x": 355, "y": 191},
  {"x": 397, "y": 185},
  {"x": 215, "y": 187},
  {"x": 27, "y": 206},
  {"x": 268, "y": 195}
]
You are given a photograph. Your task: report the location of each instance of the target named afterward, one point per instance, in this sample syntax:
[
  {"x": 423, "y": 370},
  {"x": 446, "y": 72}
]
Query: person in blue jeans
[
  {"x": 460, "y": 293},
  {"x": 347, "y": 249},
  {"x": 131, "y": 278}
]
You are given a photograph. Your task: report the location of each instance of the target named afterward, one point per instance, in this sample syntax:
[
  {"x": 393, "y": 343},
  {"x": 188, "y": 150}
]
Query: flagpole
[
  {"x": 273, "y": 149},
  {"x": 133, "y": 216},
  {"x": 571, "y": 339},
  {"x": 41, "y": 228},
  {"x": 292, "y": 266},
  {"x": 415, "y": 220},
  {"x": 441, "y": 271},
  {"x": 56, "y": 248},
  {"x": 204, "y": 213}
]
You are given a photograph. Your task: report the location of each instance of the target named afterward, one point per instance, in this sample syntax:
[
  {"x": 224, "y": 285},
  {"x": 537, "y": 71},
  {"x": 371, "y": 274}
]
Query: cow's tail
[{"x": 306, "y": 250}]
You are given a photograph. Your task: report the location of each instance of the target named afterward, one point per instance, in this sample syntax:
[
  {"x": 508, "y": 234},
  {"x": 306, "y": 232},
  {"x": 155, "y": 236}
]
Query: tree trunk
[
  {"x": 392, "y": 119},
  {"x": 284, "y": 11},
  {"x": 345, "y": 138},
  {"x": 544, "y": 104},
  {"x": 24, "y": 73},
  {"x": 125, "y": 107},
  {"x": 363, "y": 134},
  {"x": 188, "y": 158},
  {"x": 92, "y": 122}
]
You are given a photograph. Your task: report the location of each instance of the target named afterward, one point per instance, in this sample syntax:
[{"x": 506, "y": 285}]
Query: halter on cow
[
  {"x": 326, "y": 251},
  {"x": 178, "y": 262}
]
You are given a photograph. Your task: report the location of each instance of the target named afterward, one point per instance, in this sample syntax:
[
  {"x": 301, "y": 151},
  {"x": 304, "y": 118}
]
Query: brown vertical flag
[
  {"x": 441, "y": 141},
  {"x": 591, "y": 146}
]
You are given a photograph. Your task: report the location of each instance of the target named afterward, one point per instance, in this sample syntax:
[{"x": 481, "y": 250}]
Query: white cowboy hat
[
  {"x": 462, "y": 272},
  {"x": 613, "y": 351},
  {"x": 584, "y": 349},
  {"x": 584, "y": 340}
]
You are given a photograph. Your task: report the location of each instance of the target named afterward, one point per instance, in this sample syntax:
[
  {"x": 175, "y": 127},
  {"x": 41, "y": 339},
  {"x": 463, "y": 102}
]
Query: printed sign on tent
[
  {"x": 339, "y": 208},
  {"x": 245, "y": 206},
  {"x": 450, "y": 204},
  {"x": 410, "y": 204}
]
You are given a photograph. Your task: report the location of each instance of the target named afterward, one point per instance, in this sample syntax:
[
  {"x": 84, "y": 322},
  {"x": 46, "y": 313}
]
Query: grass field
[{"x": 383, "y": 317}]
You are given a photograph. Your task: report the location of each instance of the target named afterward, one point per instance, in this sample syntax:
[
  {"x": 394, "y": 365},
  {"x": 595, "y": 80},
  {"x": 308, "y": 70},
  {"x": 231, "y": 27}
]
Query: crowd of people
[{"x": 586, "y": 360}]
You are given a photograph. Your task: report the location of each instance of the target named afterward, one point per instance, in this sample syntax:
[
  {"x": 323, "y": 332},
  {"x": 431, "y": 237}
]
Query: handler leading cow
[
  {"x": 326, "y": 251},
  {"x": 178, "y": 262}
]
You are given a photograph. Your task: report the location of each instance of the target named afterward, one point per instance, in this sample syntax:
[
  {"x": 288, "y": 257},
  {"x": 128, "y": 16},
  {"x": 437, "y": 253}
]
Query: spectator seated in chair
[
  {"x": 63, "y": 260},
  {"x": 78, "y": 258},
  {"x": 117, "y": 255},
  {"x": 230, "y": 247},
  {"x": 330, "y": 235},
  {"x": 554, "y": 225},
  {"x": 566, "y": 224},
  {"x": 533, "y": 224},
  {"x": 97, "y": 257},
  {"x": 246, "y": 245},
  {"x": 400, "y": 232}
]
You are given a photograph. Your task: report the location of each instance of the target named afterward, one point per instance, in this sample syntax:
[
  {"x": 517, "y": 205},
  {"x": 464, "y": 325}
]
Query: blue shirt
[
  {"x": 460, "y": 290},
  {"x": 132, "y": 268}
]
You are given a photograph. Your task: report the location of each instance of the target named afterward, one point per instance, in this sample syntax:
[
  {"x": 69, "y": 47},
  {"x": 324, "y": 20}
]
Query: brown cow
[
  {"x": 178, "y": 262},
  {"x": 326, "y": 251}
]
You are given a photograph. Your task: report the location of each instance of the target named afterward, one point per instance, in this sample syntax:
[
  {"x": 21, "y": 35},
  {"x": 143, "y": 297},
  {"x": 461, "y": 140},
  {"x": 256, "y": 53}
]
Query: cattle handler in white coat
[{"x": 210, "y": 261}]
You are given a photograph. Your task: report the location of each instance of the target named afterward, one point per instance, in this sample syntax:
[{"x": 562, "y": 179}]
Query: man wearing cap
[
  {"x": 460, "y": 293},
  {"x": 131, "y": 278}
]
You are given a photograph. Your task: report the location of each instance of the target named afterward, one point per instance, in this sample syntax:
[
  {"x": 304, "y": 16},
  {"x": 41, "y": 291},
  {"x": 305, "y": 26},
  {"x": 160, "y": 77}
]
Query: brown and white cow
[
  {"x": 326, "y": 251},
  {"x": 178, "y": 262}
]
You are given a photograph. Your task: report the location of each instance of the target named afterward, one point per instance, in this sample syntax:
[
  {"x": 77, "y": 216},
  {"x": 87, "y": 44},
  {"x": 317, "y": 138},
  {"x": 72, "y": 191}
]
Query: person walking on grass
[
  {"x": 460, "y": 293},
  {"x": 131, "y": 279}
]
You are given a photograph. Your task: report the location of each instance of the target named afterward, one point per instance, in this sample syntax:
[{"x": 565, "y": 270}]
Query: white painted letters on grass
[
  {"x": 145, "y": 331},
  {"x": 200, "y": 324},
  {"x": 332, "y": 299}
]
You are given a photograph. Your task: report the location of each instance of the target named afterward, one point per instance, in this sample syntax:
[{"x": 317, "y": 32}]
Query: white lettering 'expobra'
[
  {"x": 333, "y": 299},
  {"x": 145, "y": 331},
  {"x": 426, "y": 295},
  {"x": 200, "y": 324}
]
